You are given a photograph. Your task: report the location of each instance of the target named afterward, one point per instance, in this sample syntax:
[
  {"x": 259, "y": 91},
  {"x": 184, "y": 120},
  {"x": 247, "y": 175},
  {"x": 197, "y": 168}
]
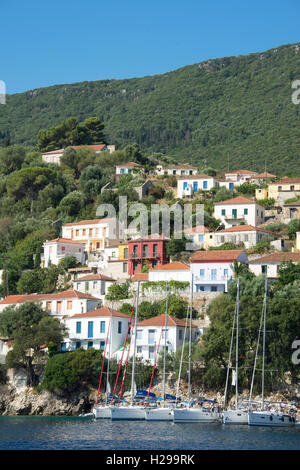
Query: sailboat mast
[
  {"x": 166, "y": 323},
  {"x": 190, "y": 343},
  {"x": 264, "y": 347},
  {"x": 237, "y": 347},
  {"x": 109, "y": 355},
  {"x": 134, "y": 347}
]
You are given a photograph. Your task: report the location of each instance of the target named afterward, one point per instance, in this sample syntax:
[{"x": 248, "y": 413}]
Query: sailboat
[
  {"x": 237, "y": 415},
  {"x": 132, "y": 411},
  {"x": 103, "y": 411},
  {"x": 163, "y": 413},
  {"x": 190, "y": 413},
  {"x": 265, "y": 416}
]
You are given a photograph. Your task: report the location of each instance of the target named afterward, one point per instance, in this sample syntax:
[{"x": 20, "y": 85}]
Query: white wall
[{"x": 255, "y": 216}]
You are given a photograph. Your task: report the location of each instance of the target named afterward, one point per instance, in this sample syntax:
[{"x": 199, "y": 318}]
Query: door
[
  {"x": 234, "y": 213},
  {"x": 195, "y": 186}
]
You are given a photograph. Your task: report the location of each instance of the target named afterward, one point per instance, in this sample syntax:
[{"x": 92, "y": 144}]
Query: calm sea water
[{"x": 47, "y": 433}]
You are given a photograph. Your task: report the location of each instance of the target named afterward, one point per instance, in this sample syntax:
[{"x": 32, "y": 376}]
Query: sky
[{"x": 44, "y": 42}]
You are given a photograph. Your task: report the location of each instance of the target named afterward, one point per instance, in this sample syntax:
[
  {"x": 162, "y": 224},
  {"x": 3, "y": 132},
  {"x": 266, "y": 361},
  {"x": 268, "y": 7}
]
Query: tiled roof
[
  {"x": 184, "y": 166},
  {"x": 64, "y": 240},
  {"x": 93, "y": 147},
  {"x": 101, "y": 312},
  {"x": 195, "y": 177},
  {"x": 241, "y": 172},
  {"x": 236, "y": 200},
  {"x": 278, "y": 258},
  {"x": 244, "y": 228},
  {"x": 129, "y": 164},
  {"x": 286, "y": 180},
  {"x": 175, "y": 266},
  {"x": 140, "y": 277},
  {"x": 160, "y": 321},
  {"x": 89, "y": 222},
  {"x": 215, "y": 255},
  {"x": 265, "y": 174},
  {"x": 94, "y": 277},
  {"x": 67, "y": 294},
  {"x": 197, "y": 229}
]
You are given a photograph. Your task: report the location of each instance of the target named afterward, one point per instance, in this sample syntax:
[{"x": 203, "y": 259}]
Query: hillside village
[{"x": 251, "y": 224}]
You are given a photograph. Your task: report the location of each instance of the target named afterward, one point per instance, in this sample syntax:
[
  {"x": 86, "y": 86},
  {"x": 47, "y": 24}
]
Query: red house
[{"x": 151, "y": 250}]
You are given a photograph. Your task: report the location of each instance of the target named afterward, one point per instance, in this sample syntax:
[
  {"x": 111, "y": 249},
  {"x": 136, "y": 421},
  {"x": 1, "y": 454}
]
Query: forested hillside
[{"x": 234, "y": 111}]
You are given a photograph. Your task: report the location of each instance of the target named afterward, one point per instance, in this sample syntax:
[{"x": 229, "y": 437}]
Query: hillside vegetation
[{"x": 235, "y": 110}]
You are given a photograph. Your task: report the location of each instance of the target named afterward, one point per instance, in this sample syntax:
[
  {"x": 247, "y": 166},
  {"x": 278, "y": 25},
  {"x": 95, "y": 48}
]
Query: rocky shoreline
[{"x": 29, "y": 402}]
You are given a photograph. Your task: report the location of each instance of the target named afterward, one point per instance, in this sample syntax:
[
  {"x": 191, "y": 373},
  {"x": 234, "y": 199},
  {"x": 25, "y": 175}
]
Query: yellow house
[
  {"x": 285, "y": 184},
  {"x": 261, "y": 193},
  {"x": 123, "y": 251}
]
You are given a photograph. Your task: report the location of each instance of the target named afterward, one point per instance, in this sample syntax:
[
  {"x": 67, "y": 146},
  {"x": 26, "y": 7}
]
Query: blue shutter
[{"x": 90, "y": 329}]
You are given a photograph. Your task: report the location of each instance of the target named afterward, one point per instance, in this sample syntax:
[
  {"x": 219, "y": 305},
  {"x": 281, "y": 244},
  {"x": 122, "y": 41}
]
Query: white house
[
  {"x": 95, "y": 234},
  {"x": 175, "y": 271},
  {"x": 54, "y": 156},
  {"x": 270, "y": 264},
  {"x": 181, "y": 169},
  {"x": 55, "y": 250},
  {"x": 197, "y": 235},
  {"x": 298, "y": 240},
  {"x": 246, "y": 234},
  {"x": 187, "y": 186},
  {"x": 240, "y": 176},
  {"x": 127, "y": 168},
  {"x": 94, "y": 329},
  {"x": 152, "y": 330},
  {"x": 60, "y": 304},
  {"x": 213, "y": 269},
  {"x": 94, "y": 284},
  {"x": 239, "y": 209}
]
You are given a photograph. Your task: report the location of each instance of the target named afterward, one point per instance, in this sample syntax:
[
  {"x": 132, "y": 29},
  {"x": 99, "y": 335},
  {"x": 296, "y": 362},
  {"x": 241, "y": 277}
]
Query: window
[
  {"x": 264, "y": 269},
  {"x": 145, "y": 251},
  {"x": 78, "y": 327},
  {"x": 151, "y": 352},
  {"x": 102, "y": 327},
  {"x": 185, "y": 185},
  {"x": 200, "y": 238},
  {"x": 102, "y": 345},
  {"x": 48, "y": 306},
  {"x": 78, "y": 345},
  {"x": 125, "y": 267},
  {"x": 202, "y": 272},
  {"x": 246, "y": 238},
  {"x": 214, "y": 274},
  {"x": 213, "y": 288},
  {"x": 119, "y": 327},
  {"x": 58, "y": 306},
  {"x": 90, "y": 344},
  {"x": 135, "y": 251},
  {"x": 222, "y": 239},
  {"x": 135, "y": 265},
  {"x": 63, "y": 346},
  {"x": 225, "y": 272},
  {"x": 164, "y": 332},
  {"x": 199, "y": 288},
  {"x": 155, "y": 251},
  {"x": 78, "y": 285},
  {"x": 180, "y": 335},
  {"x": 154, "y": 264},
  {"x": 84, "y": 231},
  {"x": 139, "y": 350},
  {"x": 139, "y": 334},
  {"x": 204, "y": 184},
  {"x": 245, "y": 211},
  {"x": 234, "y": 213},
  {"x": 69, "y": 305},
  {"x": 151, "y": 336},
  {"x": 77, "y": 233},
  {"x": 94, "y": 284},
  {"x": 86, "y": 286},
  {"x": 90, "y": 329},
  {"x": 223, "y": 211},
  {"x": 97, "y": 245}
]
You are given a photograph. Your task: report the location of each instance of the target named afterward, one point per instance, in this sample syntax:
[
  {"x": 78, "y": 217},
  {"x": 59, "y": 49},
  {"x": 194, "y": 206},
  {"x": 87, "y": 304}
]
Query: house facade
[
  {"x": 96, "y": 234},
  {"x": 239, "y": 209},
  {"x": 188, "y": 186},
  {"x": 291, "y": 211},
  {"x": 240, "y": 176},
  {"x": 213, "y": 270},
  {"x": 248, "y": 235},
  {"x": 94, "y": 284},
  {"x": 128, "y": 168},
  {"x": 175, "y": 271},
  {"x": 177, "y": 170},
  {"x": 55, "y": 155},
  {"x": 151, "y": 332},
  {"x": 55, "y": 250},
  {"x": 269, "y": 265},
  {"x": 285, "y": 188},
  {"x": 150, "y": 250},
  {"x": 93, "y": 329}
]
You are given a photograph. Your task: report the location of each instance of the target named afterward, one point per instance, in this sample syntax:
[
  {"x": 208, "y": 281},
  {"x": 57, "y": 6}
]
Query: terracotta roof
[
  {"x": 265, "y": 174},
  {"x": 64, "y": 240},
  {"x": 129, "y": 164},
  {"x": 242, "y": 172},
  {"x": 94, "y": 277},
  {"x": 286, "y": 180},
  {"x": 160, "y": 321},
  {"x": 215, "y": 255},
  {"x": 93, "y": 147},
  {"x": 184, "y": 166},
  {"x": 236, "y": 200},
  {"x": 52, "y": 152},
  {"x": 245, "y": 228},
  {"x": 101, "y": 312},
  {"x": 140, "y": 277},
  {"x": 197, "y": 229},
  {"x": 175, "y": 266},
  {"x": 67, "y": 294},
  {"x": 89, "y": 222},
  {"x": 195, "y": 177},
  {"x": 82, "y": 268},
  {"x": 278, "y": 258}
]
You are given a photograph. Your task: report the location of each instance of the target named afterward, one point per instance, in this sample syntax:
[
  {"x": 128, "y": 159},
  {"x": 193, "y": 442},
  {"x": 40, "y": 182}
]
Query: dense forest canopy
[{"x": 230, "y": 112}]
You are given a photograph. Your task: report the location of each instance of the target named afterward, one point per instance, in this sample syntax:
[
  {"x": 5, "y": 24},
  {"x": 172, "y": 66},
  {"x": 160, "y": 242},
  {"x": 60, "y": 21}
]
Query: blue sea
[{"x": 61, "y": 433}]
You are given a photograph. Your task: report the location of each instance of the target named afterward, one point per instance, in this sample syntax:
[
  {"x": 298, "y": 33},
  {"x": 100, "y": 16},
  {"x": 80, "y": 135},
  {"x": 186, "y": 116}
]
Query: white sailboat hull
[
  {"x": 235, "y": 417},
  {"x": 128, "y": 412},
  {"x": 159, "y": 414},
  {"x": 269, "y": 418},
  {"x": 188, "y": 415},
  {"x": 102, "y": 412}
]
